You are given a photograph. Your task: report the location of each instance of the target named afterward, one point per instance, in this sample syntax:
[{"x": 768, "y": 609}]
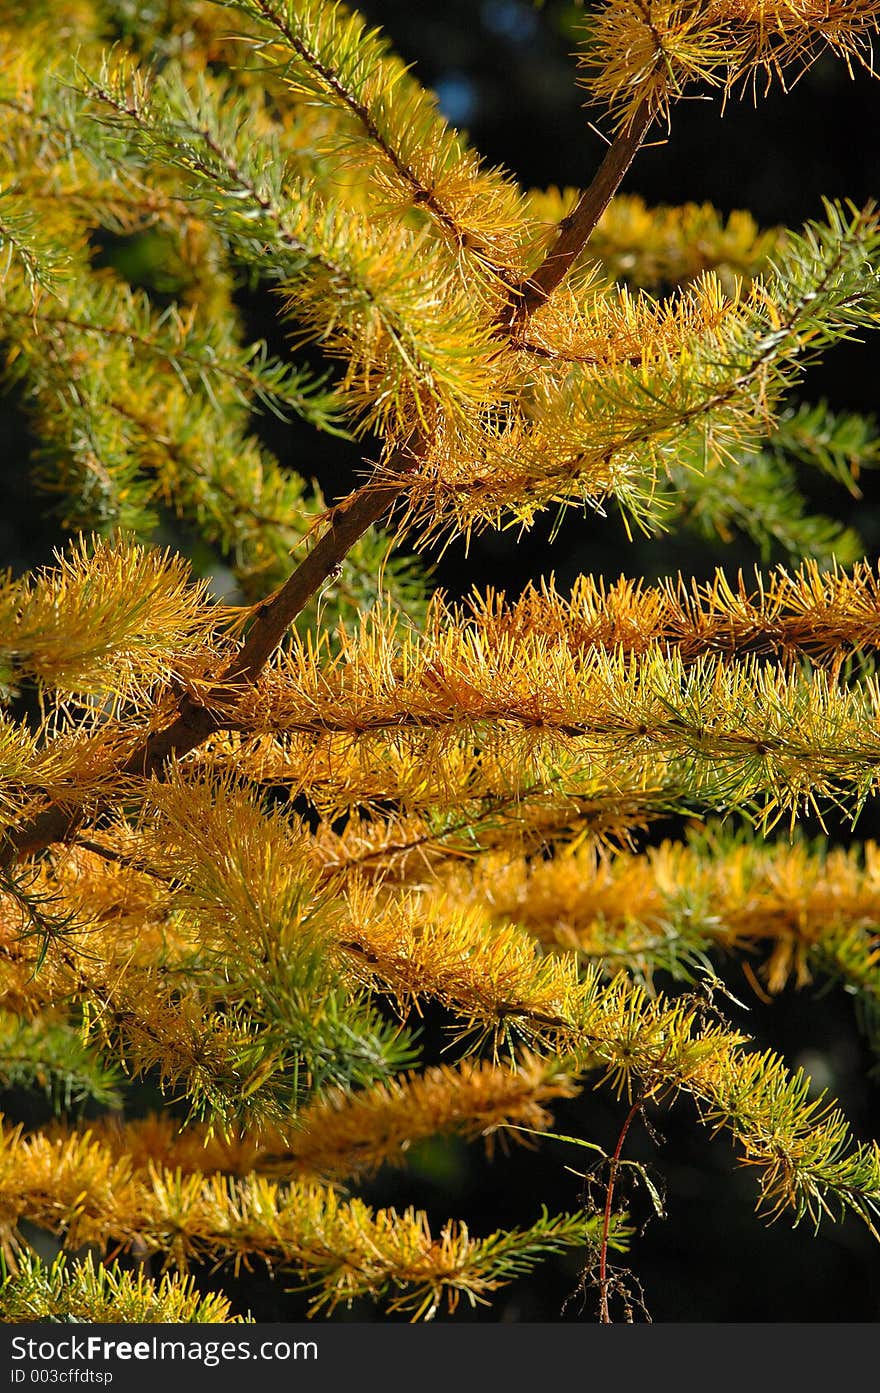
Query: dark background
[{"x": 504, "y": 72}]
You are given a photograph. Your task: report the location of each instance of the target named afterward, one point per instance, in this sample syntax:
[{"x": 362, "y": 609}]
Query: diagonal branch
[
  {"x": 575, "y": 231},
  {"x": 196, "y": 721}
]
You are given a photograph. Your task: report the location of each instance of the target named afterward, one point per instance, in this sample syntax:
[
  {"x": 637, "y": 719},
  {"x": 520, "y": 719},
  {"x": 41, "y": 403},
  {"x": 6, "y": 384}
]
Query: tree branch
[
  {"x": 197, "y": 721},
  {"x": 575, "y": 231}
]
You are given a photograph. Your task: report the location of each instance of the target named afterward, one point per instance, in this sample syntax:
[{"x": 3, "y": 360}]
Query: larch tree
[{"x": 252, "y": 832}]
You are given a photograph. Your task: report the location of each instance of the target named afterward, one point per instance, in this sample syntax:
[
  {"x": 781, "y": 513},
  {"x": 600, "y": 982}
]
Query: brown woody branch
[
  {"x": 575, "y": 230},
  {"x": 196, "y": 721}
]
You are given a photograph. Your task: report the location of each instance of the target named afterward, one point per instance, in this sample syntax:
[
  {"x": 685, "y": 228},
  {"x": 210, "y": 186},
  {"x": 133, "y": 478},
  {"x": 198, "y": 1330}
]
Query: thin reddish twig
[{"x": 604, "y": 1313}]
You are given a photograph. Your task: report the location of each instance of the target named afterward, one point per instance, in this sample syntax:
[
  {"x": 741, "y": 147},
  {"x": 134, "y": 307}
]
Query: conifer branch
[
  {"x": 786, "y": 615},
  {"x": 47, "y": 1056},
  {"x": 343, "y": 1135},
  {"x": 578, "y": 226},
  {"x": 464, "y": 781},
  {"x": 199, "y": 719},
  {"x": 653, "y": 51},
  {"x": 811, "y": 913},
  {"x": 83, "y": 1292},
  {"x": 613, "y": 1166},
  {"x": 662, "y": 246},
  {"x": 337, "y": 61}
]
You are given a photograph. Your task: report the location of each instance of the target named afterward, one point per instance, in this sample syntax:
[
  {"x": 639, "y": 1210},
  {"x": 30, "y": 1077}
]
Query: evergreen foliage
[{"x": 268, "y": 798}]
